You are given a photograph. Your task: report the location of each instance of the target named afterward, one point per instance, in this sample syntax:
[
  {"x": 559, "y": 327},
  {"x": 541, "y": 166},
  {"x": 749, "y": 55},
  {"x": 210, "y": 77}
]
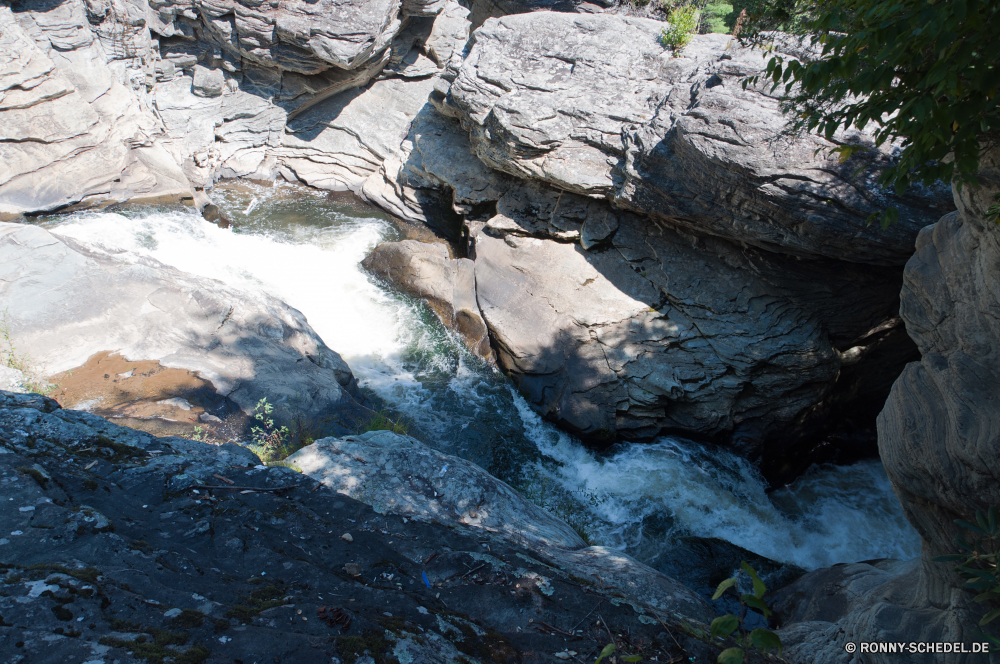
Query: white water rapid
[{"x": 305, "y": 249}]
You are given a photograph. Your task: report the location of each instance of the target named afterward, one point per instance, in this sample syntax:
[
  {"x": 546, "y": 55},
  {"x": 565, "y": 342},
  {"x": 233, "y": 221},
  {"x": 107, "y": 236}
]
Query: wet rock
[
  {"x": 266, "y": 579},
  {"x": 595, "y": 104},
  {"x": 447, "y": 285},
  {"x": 69, "y": 301},
  {"x": 397, "y": 474}
]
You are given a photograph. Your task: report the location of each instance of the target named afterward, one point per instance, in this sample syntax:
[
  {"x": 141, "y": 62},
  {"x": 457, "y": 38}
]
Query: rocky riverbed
[{"x": 629, "y": 236}]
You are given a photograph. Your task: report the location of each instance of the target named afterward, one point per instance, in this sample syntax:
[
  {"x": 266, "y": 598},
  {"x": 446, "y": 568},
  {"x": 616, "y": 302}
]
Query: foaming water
[
  {"x": 829, "y": 515},
  {"x": 296, "y": 244}
]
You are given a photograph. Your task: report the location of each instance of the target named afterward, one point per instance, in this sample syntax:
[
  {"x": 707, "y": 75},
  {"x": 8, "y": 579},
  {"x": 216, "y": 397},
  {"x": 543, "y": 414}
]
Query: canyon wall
[
  {"x": 938, "y": 438},
  {"x": 651, "y": 253}
]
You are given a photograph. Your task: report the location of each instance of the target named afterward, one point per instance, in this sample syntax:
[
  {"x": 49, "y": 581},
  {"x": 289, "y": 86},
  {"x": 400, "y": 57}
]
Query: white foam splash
[
  {"x": 832, "y": 514},
  {"x": 829, "y": 515}
]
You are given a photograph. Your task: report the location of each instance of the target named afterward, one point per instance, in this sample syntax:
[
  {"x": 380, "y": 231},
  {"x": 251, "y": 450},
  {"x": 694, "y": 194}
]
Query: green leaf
[
  {"x": 755, "y": 602},
  {"x": 950, "y": 557},
  {"x": 989, "y": 616},
  {"x": 725, "y": 585},
  {"x": 969, "y": 526},
  {"x": 631, "y": 658},
  {"x": 607, "y": 652},
  {"x": 765, "y": 639},
  {"x": 731, "y": 656},
  {"x": 724, "y": 625},
  {"x": 758, "y": 586}
]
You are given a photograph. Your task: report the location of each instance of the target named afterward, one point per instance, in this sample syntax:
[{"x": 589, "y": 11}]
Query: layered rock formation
[
  {"x": 67, "y": 301},
  {"x": 938, "y": 440},
  {"x": 74, "y": 127},
  {"x": 726, "y": 286}
]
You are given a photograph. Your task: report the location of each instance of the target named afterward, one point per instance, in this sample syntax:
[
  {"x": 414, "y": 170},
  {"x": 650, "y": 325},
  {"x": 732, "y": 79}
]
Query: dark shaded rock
[
  {"x": 255, "y": 570},
  {"x": 664, "y": 331},
  {"x": 938, "y": 440},
  {"x": 449, "y": 490}
]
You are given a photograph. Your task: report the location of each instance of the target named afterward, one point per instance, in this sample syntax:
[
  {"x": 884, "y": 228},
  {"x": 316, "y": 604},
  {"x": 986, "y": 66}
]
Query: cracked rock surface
[
  {"x": 594, "y": 104},
  {"x": 118, "y": 546}
]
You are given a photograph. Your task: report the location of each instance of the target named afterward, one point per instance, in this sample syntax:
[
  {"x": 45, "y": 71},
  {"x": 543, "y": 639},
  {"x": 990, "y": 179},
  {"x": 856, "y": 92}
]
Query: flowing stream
[{"x": 688, "y": 510}]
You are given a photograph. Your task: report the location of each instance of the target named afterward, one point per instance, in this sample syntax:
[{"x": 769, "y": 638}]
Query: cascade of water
[{"x": 299, "y": 246}]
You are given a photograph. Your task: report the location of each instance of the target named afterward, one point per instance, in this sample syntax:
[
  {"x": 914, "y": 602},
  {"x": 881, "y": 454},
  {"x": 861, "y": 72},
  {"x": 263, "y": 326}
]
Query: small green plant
[
  {"x": 199, "y": 435},
  {"x": 10, "y": 357},
  {"x": 609, "y": 651},
  {"x": 978, "y": 562},
  {"x": 380, "y": 421},
  {"x": 993, "y": 213},
  {"x": 682, "y": 22},
  {"x": 730, "y": 625},
  {"x": 269, "y": 442}
]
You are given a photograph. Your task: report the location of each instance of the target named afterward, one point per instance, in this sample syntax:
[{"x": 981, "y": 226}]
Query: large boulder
[
  {"x": 396, "y": 474},
  {"x": 72, "y": 129},
  {"x": 447, "y": 285},
  {"x": 143, "y": 537},
  {"x": 67, "y": 301},
  {"x": 654, "y": 330},
  {"x": 595, "y": 104},
  {"x": 938, "y": 441},
  {"x": 299, "y": 36}
]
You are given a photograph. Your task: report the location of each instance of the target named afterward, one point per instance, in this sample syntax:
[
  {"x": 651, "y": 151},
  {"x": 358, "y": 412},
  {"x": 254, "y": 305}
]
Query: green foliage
[
  {"x": 380, "y": 421},
  {"x": 918, "y": 71},
  {"x": 269, "y": 442},
  {"x": 682, "y": 22},
  {"x": 978, "y": 562},
  {"x": 714, "y": 17},
  {"x": 764, "y": 16},
  {"x": 731, "y": 626},
  {"x": 609, "y": 650},
  {"x": 993, "y": 213}
]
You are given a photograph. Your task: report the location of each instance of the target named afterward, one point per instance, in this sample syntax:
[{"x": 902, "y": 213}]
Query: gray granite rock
[
  {"x": 72, "y": 128},
  {"x": 447, "y": 285},
  {"x": 298, "y": 36},
  {"x": 145, "y": 539},
  {"x": 339, "y": 143},
  {"x": 664, "y": 331},
  {"x": 207, "y": 82},
  {"x": 68, "y": 301},
  {"x": 398, "y": 475},
  {"x": 594, "y": 104},
  {"x": 938, "y": 441}
]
